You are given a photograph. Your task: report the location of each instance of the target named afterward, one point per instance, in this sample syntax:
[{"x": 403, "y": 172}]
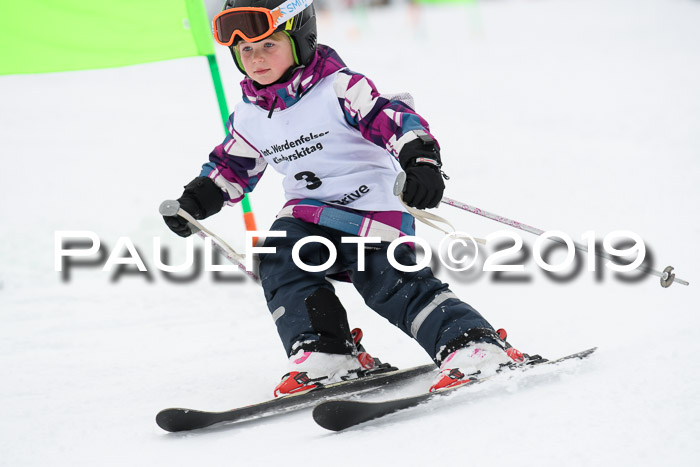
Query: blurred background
[{"x": 563, "y": 114}]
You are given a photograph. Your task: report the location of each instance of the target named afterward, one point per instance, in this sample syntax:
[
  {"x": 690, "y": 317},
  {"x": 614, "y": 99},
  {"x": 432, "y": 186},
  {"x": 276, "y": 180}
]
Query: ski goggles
[{"x": 252, "y": 23}]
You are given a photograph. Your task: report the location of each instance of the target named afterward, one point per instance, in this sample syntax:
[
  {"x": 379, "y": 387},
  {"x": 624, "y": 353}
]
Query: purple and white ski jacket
[{"x": 333, "y": 136}]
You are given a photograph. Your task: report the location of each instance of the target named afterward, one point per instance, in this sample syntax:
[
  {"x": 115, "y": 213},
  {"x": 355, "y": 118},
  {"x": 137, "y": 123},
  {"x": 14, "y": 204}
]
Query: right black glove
[
  {"x": 420, "y": 159},
  {"x": 201, "y": 198}
]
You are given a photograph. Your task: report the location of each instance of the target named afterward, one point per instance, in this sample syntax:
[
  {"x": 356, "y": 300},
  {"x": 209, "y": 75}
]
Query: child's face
[{"x": 266, "y": 61}]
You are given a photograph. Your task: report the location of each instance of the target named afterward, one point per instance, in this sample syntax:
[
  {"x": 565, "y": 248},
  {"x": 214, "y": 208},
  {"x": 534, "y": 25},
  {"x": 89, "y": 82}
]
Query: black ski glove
[
  {"x": 201, "y": 198},
  {"x": 420, "y": 159}
]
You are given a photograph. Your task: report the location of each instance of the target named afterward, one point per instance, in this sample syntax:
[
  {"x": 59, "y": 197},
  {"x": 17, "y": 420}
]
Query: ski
[
  {"x": 179, "y": 419},
  {"x": 337, "y": 415}
]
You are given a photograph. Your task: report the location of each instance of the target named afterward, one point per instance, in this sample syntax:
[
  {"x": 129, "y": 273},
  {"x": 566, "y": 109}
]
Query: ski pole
[
  {"x": 172, "y": 208},
  {"x": 667, "y": 277}
]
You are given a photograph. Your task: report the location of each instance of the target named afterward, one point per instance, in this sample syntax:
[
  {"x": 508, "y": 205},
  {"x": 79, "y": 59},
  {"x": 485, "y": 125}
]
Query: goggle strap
[{"x": 288, "y": 10}]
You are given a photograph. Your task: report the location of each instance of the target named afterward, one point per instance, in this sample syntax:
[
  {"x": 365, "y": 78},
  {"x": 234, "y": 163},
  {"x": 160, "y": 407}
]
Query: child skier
[{"x": 340, "y": 145}]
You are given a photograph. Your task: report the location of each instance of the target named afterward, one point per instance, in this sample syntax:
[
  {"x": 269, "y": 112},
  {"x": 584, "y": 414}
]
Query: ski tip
[
  {"x": 173, "y": 420},
  {"x": 325, "y": 415},
  {"x": 335, "y": 415},
  {"x": 164, "y": 420}
]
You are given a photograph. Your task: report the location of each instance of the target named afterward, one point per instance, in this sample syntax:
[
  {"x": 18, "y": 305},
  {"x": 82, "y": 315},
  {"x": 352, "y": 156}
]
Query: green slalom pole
[
  {"x": 202, "y": 35},
  {"x": 248, "y": 216},
  {"x": 219, "y": 88}
]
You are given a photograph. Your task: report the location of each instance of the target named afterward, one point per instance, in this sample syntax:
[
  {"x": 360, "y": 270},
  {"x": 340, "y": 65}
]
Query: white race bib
[{"x": 320, "y": 155}]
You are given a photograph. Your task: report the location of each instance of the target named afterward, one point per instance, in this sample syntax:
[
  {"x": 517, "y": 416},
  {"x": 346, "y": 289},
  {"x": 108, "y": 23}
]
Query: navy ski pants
[{"x": 416, "y": 302}]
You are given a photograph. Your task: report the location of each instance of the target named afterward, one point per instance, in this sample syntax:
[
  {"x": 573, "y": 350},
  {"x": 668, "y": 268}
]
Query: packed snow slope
[{"x": 566, "y": 115}]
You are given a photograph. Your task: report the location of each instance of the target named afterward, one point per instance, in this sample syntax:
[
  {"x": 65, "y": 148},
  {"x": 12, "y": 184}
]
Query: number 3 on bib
[{"x": 312, "y": 181}]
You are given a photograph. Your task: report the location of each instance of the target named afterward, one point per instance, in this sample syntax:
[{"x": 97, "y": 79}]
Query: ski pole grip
[
  {"x": 169, "y": 207},
  {"x": 399, "y": 183}
]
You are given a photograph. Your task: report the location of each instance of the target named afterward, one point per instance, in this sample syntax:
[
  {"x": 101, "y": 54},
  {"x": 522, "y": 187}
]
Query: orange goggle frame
[{"x": 249, "y": 23}]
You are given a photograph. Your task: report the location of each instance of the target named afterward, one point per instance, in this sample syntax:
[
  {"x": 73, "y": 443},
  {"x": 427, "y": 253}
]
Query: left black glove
[
  {"x": 201, "y": 198},
  {"x": 420, "y": 159}
]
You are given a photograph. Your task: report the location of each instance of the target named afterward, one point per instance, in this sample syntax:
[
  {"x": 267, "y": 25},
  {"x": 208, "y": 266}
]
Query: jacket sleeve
[
  {"x": 234, "y": 165},
  {"x": 388, "y": 123}
]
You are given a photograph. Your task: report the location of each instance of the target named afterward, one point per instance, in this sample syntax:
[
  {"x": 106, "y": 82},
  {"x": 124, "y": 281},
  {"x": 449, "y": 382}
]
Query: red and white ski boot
[
  {"x": 482, "y": 358},
  {"x": 313, "y": 370}
]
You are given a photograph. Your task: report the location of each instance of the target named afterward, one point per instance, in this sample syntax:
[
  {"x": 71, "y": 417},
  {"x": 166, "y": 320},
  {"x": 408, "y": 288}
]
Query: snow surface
[{"x": 565, "y": 115}]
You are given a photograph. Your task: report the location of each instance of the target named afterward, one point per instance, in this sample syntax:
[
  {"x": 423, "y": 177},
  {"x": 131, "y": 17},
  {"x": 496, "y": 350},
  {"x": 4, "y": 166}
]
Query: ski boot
[
  {"x": 487, "y": 354},
  {"x": 314, "y": 370}
]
